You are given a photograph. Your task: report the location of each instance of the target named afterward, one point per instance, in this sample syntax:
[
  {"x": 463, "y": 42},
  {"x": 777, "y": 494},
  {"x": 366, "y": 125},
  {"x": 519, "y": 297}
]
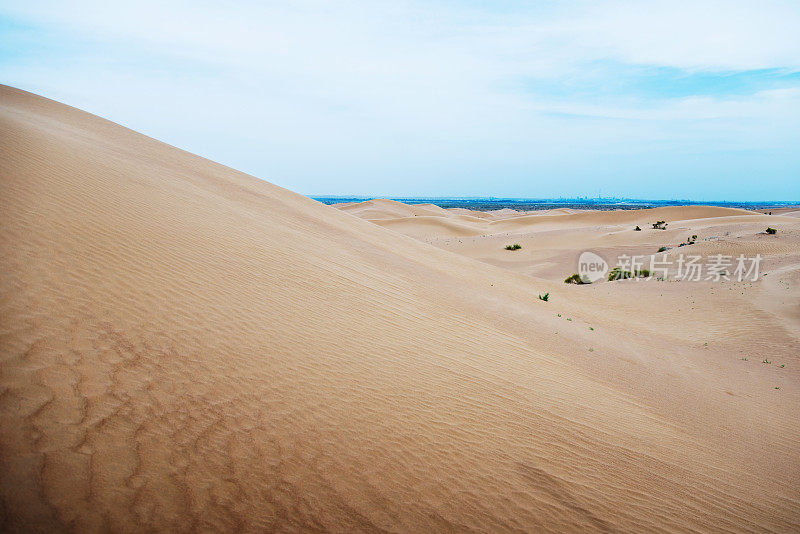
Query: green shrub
[
  {"x": 576, "y": 279},
  {"x": 515, "y": 246},
  {"x": 617, "y": 273},
  {"x": 660, "y": 225},
  {"x": 772, "y": 231},
  {"x": 662, "y": 249},
  {"x": 545, "y": 297}
]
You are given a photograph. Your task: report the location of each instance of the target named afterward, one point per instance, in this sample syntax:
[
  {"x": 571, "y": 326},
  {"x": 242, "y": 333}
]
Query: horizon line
[{"x": 558, "y": 199}]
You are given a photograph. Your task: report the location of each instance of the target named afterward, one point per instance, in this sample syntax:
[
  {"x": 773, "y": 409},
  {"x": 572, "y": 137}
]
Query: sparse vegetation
[
  {"x": 766, "y": 361},
  {"x": 576, "y": 279},
  {"x": 545, "y": 297},
  {"x": 772, "y": 231},
  {"x": 637, "y": 229},
  {"x": 662, "y": 249},
  {"x": 618, "y": 273},
  {"x": 660, "y": 225},
  {"x": 515, "y": 246}
]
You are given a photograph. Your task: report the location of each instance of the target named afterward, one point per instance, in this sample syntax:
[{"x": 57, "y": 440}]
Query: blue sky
[{"x": 693, "y": 100}]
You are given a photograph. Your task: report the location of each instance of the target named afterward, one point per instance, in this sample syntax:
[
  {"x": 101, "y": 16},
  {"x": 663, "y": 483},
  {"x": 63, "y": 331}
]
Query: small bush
[
  {"x": 576, "y": 279},
  {"x": 660, "y": 225},
  {"x": 662, "y": 249},
  {"x": 618, "y": 273},
  {"x": 545, "y": 297},
  {"x": 772, "y": 231},
  {"x": 515, "y": 246},
  {"x": 637, "y": 229}
]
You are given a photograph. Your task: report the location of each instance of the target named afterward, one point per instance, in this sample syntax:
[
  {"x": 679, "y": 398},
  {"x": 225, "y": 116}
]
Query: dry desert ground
[{"x": 188, "y": 348}]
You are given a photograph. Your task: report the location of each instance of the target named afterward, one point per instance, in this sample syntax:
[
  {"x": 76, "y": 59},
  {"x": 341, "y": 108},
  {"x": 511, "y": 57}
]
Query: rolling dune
[{"x": 186, "y": 347}]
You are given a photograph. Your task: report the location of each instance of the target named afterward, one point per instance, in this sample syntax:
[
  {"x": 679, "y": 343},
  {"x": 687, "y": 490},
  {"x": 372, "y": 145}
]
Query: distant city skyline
[
  {"x": 646, "y": 100},
  {"x": 525, "y": 204}
]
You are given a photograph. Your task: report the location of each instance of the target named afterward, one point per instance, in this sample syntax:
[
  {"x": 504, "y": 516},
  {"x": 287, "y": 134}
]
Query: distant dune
[{"x": 188, "y": 348}]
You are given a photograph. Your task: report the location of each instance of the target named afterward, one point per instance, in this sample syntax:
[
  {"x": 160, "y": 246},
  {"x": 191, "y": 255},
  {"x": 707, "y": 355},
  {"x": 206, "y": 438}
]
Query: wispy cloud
[{"x": 438, "y": 97}]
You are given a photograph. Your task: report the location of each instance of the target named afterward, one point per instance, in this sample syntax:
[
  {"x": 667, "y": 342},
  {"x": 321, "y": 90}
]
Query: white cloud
[{"x": 261, "y": 85}]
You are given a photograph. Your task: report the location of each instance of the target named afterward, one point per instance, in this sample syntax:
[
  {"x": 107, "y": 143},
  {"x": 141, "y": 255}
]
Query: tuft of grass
[
  {"x": 745, "y": 359},
  {"x": 662, "y": 249},
  {"x": 772, "y": 231},
  {"x": 591, "y": 349},
  {"x": 637, "y": 229},
  {"x": 766, "y": 361},
  {"x": 576, "y": 279},
  {"x": 515, "y": 246},
  {"x": 618, "y": 273},
  {"x": 777, "y": 387},
  {"x": 545, "y": 297},
  {"x": 590, "y": 328},
  {"x": 559, "y": 315},
  {"x": 783, "y": 365},
  {"x": 568, "y": 319}
]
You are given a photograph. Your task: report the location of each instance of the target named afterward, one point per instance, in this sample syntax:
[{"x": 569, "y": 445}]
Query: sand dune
[
  {"x": 185, "y": 347},
  {"x": 390, "y": 209}
]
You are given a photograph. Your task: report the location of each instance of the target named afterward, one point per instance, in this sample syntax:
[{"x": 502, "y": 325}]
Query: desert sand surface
[
  {"x": 186, "y": 347},
  {"x": 790, "y": 211}
]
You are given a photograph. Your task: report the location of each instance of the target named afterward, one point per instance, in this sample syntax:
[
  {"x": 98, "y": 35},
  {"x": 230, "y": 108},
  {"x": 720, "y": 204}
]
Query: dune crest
[{"x": 186, "y": 347}]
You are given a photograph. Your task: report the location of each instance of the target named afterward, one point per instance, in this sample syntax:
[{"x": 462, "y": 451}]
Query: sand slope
[{"x": 185, "y": 347}]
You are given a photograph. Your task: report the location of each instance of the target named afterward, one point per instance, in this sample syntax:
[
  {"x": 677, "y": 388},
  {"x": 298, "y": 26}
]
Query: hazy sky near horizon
[{"x": 694, "y": 100}]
